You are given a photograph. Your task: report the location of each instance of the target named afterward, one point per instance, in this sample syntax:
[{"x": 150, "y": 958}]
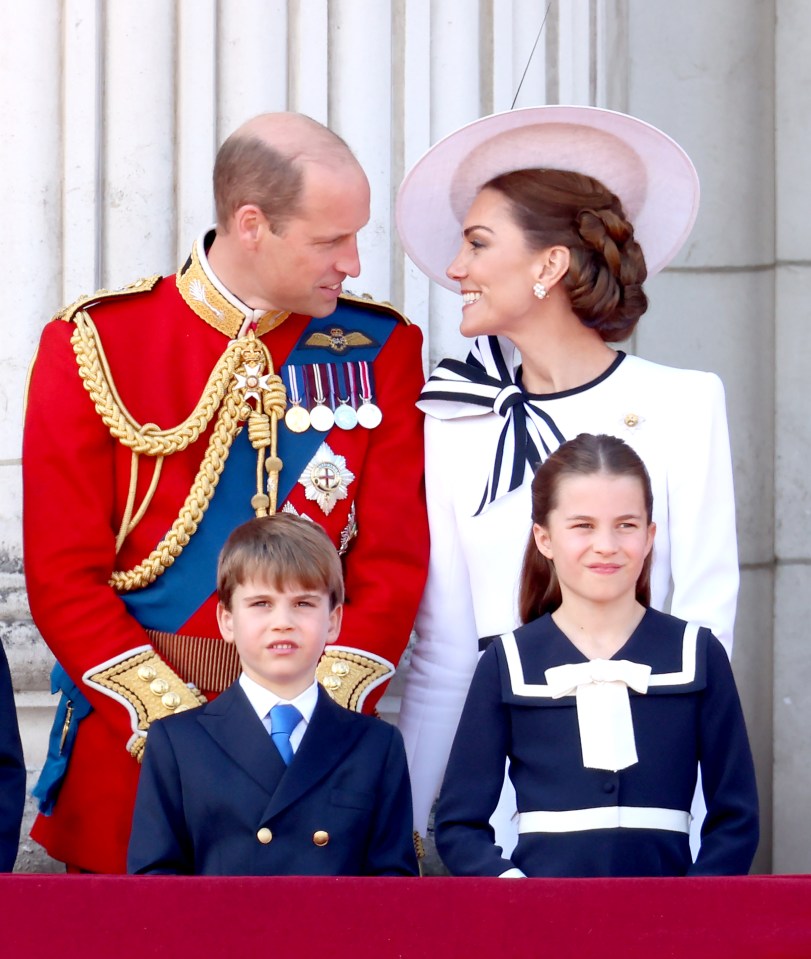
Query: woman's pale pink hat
[{"x": 651, "y": 174}]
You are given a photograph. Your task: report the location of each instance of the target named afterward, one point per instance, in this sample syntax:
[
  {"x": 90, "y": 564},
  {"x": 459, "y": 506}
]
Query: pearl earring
[{"x": 539, "y": 290}]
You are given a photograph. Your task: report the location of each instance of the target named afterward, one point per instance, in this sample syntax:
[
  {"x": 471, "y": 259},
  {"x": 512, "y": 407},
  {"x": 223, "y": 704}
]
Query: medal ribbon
[
  {"x": 367, "y": 382},
  {"x": 353, "y": 386},
  {"x": 290, "y": 374},
  {"x": 319, "y": 386},
  {"x": 342, "y": 394},
  {"x": 329, "y": 369}
]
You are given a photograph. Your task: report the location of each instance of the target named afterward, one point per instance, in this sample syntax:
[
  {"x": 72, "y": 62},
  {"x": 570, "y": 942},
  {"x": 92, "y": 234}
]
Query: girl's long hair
[{"x": 539, "y": 590}]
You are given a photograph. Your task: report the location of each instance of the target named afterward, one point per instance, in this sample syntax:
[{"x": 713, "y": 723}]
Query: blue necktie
[{"x": 283, "y": 720}]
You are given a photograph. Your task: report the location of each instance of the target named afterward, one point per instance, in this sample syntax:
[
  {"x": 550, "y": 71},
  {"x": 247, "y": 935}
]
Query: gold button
[
  {"x": 332, "y": 682},
  {"x": 273, "y": 464},
  {"x": 340, "y": 669},
  {"x": 632, "y": 420},
  {"x": 159, "y": 687},
  {"x": 264, "y": 835},
  {"x": 146, "y": 673},
  {"x": 320, "y": 837},
  {"x": 171, "y": 700}
]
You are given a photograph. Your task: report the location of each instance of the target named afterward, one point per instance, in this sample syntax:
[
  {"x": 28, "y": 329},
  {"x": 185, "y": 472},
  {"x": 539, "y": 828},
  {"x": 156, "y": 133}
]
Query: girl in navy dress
[{"x": 603, "y": 707}]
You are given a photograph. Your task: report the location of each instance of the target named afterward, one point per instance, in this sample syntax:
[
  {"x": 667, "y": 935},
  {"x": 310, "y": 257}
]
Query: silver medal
[
  {"x": 345, "y": 417},
  {"x": 322, "y": 418},
  {"x": 369, "y": 415}
]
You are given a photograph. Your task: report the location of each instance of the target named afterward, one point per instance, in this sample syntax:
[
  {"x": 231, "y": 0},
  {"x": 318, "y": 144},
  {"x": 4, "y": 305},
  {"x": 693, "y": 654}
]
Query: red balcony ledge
[{"x": 125, "y": 917}]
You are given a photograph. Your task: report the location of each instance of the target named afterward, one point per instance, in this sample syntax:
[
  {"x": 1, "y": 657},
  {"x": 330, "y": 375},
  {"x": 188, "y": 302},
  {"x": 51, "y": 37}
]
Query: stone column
[
  {"x": 704, "y": 72},
  {"x": 792, "y": 432}
]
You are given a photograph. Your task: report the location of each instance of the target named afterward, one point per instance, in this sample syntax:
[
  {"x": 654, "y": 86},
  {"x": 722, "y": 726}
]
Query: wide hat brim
[{"x": 651, "y": 174}]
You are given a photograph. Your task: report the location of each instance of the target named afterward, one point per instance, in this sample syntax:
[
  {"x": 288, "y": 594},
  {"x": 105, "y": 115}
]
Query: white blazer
[{"x": 676, "y": 421}]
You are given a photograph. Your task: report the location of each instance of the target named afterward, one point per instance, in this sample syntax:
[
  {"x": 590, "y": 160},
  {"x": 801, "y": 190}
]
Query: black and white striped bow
[{"x": 485, "y": 382}]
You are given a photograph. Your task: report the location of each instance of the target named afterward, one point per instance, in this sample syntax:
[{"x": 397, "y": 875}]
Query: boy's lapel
[
  {"x": 330, "y": 735},
  {"x": 232, "y": 723}
]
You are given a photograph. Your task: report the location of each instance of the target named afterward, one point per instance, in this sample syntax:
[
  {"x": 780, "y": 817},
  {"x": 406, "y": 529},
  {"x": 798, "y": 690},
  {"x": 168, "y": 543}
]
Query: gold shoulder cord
[{"x": 244, "y": 372}]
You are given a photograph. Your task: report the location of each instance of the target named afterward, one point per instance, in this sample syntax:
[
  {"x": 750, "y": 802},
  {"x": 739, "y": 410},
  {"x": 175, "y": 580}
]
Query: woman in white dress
[{"x": 547, "y": 221}]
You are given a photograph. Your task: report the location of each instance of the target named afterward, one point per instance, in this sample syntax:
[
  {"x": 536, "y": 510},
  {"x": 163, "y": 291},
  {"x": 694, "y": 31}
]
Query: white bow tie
[{"x": 603, "y": 707}]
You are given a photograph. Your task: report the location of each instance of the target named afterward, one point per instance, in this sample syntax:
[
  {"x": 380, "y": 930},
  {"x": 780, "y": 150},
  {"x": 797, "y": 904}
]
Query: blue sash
[{"x": 168, "y": 602}]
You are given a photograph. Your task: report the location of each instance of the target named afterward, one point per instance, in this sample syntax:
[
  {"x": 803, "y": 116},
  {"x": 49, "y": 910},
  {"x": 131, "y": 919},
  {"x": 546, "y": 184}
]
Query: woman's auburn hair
[{"x": 607, "y": 267}]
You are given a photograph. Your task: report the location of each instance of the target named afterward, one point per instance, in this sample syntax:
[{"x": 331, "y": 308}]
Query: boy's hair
[
  {"x": 283, "y": 551},
  {"x": 586, "y": 455}
]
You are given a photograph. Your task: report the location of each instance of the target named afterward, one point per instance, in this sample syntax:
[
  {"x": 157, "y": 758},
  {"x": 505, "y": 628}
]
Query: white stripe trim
[
  {"x": 450, "y": 384},
  {"x": 688, "y": 661},
  {"x": 604, "y": 817},
  {"x": 687, "y": 673}
]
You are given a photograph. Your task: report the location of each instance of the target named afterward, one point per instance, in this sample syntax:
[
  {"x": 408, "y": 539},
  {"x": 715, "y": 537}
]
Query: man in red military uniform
[{"x": 162, "y": 415}]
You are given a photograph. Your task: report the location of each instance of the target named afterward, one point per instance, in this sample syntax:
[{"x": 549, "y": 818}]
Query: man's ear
[
  {"x": 542, "y": 540},
  {"x": 248, "y": 223},
  {"x": 225, "y": 620}
]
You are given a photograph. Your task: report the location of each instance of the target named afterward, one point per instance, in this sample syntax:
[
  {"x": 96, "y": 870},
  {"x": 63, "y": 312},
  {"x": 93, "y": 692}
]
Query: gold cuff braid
[
  {"x": 151, "y": 689},
  {"x": 347, "y": 675}
]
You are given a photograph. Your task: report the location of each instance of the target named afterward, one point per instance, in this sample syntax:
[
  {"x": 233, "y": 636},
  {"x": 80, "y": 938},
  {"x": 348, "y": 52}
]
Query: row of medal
[{"x": 323, "y": 395}]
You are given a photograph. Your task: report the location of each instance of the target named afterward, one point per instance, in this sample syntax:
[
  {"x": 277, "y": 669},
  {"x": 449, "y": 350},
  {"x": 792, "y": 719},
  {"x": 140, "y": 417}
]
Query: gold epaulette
[
  {"x": 348, "y": 674},
  {"x": 144, "y": 285},
  {"x": 147, "y": 687},
  {"x": 382, "y": 306}
]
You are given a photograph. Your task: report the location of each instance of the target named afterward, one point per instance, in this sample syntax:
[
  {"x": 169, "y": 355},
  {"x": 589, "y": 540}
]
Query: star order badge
[{"x": 325, "y": 478}]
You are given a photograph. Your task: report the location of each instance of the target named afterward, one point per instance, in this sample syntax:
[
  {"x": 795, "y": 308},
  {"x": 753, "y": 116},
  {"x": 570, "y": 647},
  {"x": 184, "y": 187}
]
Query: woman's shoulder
[{"x": 669, "y": 377}]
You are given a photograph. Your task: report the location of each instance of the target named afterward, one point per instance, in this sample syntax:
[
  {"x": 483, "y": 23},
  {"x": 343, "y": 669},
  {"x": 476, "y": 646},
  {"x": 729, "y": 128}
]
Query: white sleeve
[
  {"x": 446, "y": 651},
  {"x": 701, "y": 508}
]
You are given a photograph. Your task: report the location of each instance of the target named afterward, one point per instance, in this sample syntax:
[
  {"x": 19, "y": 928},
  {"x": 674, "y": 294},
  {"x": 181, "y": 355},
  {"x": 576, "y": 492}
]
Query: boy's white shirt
[{"x": 263, "y": 700}]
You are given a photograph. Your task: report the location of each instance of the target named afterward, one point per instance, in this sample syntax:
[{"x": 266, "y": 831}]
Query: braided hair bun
[{"x": 607, "y": 266}]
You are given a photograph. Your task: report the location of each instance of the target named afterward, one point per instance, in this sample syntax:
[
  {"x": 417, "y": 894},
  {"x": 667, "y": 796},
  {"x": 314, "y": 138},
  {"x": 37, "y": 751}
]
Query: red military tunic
[{"x": 160, "y": 348}]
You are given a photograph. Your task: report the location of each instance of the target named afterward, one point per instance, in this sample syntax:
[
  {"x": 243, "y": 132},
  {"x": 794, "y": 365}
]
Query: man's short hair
[
  {"x": 285, "y": 552},
  {"x": 248, "y": 169}
]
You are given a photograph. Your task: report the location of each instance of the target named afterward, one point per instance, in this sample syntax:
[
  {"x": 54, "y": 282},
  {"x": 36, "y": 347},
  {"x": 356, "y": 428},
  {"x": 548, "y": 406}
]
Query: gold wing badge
[{"x": 338, "y": 340}]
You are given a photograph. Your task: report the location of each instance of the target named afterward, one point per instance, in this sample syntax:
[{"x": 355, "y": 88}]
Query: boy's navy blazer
[
  {"x": 12, "y": 771},
  {"x": 215, "y": 797}
]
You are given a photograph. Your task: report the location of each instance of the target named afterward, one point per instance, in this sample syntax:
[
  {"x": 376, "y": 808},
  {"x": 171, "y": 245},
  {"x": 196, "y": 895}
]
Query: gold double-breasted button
[
  {"x": 320, "y": 837},
  {"x": 264, "y": 835}
]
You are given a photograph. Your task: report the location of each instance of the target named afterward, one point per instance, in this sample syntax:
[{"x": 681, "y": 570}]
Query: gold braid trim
[
  {"x": 348, "y": 675},
  {"x": 193, "y": 509},
  {"x": 419, "y": 847},
  {"x": 226, "y": 394},
  {"x": 147, "y": 439},
  {"x": 139, "y": 286},
  {"x": 150, "y": 688}
]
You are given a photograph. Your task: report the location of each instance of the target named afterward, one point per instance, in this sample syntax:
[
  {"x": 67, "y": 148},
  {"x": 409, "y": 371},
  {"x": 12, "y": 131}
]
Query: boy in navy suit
[{"x": 272, "y": 777}]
